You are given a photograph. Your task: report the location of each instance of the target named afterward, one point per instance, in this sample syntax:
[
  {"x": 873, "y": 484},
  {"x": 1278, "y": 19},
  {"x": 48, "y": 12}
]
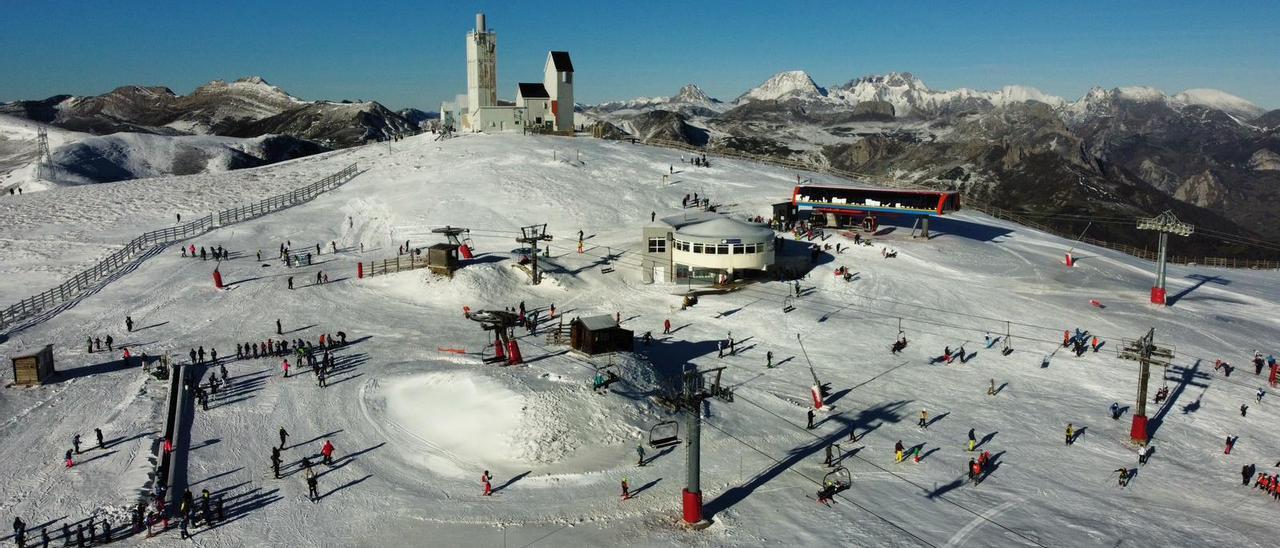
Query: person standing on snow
[
  {"x": 98, "y": 433},
  {"x": 110, "y": 342},
  {"x": 327, "y": 452},
  {"x": 1143, "y": 452},
  {"x": 666, "y": 326},
  {"x": 1246, "y": 473},
  {"x": 1231, "y": 441},
  {"x": 809, "y": 415},
  {"x": 275, "y": 462},
  {"x": 284, "y": 435},
  {"x": 972, "y": 441},
  {"x": 285, "y": 364},
  {"x": 279, "y": 328},
  {"x": 75, "y": 442},
  {"x": 924, "y": 419},
  {"x": 626, "y": 489},
  {"x": 488, "y": 488},
  {"x": 1071, "y": 434},
  {"x": 128, "y": 323}
]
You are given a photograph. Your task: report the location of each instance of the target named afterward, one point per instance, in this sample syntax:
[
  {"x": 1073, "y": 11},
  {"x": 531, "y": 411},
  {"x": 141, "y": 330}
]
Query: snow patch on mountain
[{"x": 1220, "y": 100}]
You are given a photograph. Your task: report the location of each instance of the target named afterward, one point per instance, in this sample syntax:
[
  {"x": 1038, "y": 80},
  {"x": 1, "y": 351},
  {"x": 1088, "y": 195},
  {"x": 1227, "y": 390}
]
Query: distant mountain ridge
[
  {"x": 1212, "y": 157},
  {"x": 248, "y": 107}
]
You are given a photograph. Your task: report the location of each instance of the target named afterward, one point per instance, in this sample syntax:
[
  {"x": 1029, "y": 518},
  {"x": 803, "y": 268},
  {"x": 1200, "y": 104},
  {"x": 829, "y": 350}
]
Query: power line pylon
[
  {"x": 1165, "y": 223},
  {"x": 1145, "y": 352}
]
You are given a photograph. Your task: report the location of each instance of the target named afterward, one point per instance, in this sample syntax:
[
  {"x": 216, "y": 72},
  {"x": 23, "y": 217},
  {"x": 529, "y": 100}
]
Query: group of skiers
[
  {"x": 215, "y": 253},
  {"x": 309, "y": 475},
  {"x": 1268, "y": 483},
  {"x": 95, "y": 344},
  {"x": 85, "y": 533},
  {"x": 692, "y": 201},
  {"x": 75, "y": 446}
]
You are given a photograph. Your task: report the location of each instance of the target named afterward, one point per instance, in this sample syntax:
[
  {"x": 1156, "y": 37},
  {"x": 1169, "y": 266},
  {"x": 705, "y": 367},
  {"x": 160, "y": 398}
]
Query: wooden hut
[
  {"x": 443, "y": 259},
  {"x": 599, "y": 335},
  {"x": 32, "y": 368}
]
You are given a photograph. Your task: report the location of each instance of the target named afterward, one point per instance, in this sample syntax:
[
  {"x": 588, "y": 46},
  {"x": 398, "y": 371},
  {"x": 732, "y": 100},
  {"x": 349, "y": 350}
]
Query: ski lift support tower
[
  {"x": 531, "y": 235},
  {"x": 1165, "y": 223},
  {"x": 1145, "y": 352},
  {"x": 695, "y": 392}
]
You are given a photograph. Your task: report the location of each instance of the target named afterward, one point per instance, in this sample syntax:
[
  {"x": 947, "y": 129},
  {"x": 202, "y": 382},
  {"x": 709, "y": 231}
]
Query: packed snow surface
[{"x": 416, "y": 415}]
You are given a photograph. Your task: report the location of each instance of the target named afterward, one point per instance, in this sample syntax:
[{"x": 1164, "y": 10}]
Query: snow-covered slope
[
  {"x": 1220, "y": 100},
  {"x": 416, "y": 416}
]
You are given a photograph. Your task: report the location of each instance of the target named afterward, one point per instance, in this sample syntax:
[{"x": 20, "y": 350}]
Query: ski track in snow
[{"x": 409, "y": 455}]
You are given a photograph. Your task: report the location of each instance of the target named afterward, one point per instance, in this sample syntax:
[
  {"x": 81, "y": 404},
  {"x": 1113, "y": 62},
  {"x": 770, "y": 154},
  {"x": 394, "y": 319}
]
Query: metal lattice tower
[
  {"x": 1165, "y": 223},
  {"x": 44, "y": 161},
  {"x": 531, "y": 235}
]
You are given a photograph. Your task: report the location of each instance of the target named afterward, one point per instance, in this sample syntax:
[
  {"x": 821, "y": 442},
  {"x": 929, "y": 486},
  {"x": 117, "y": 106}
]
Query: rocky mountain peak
[
  {"x": 785, "y": 85},
  {"x": 691, "y": 93}
]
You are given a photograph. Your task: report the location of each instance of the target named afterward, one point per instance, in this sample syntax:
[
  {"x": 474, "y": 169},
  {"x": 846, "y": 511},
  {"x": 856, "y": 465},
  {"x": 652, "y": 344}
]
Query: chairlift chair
[
  {"x": 608, "y": 262},
  {"x": 664, "y": 434},
  {"x": 787, "y": 305},
  {"x": 839, "y": 478}
]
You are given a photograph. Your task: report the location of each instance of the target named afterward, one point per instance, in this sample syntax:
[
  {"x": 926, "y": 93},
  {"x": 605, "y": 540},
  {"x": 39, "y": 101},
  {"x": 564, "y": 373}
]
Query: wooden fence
[
  {"x": 383, "y": 267},
  {"x": 863, "y": 178},
  {"x": 157, "y": 239}
]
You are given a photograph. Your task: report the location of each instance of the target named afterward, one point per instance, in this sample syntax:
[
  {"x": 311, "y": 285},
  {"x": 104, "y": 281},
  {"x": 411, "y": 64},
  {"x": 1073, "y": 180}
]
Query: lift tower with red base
[
  {"x": 690, "y": 402},
  {"x": 1165, "y": 223},
  {"x": 1145, "y": 352}
]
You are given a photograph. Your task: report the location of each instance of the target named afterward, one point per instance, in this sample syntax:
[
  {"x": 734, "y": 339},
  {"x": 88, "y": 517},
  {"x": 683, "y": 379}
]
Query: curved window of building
[
  {"x": 697, "y": 248},
  {"x": 738, "y": 249},
  {"x": 722, "y": 250}
]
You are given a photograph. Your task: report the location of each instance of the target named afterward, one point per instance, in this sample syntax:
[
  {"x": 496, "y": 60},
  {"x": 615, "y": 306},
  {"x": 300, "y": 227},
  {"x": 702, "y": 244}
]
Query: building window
[
  {"x": 657, "y": 245},
  {"x": 566, "y": 77},
  {"x": 722, "y": 250},
  {"x": 697, "y": 248},
  {"x": 738, "y": 249}
]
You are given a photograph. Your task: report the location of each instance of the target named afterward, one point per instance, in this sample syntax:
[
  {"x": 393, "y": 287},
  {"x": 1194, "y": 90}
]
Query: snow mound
[{"x": 460, "y": 416}]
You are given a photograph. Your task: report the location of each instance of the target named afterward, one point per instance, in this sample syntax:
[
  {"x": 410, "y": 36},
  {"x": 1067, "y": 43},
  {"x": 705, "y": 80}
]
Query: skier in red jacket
[{"x": 327, "y": 452}]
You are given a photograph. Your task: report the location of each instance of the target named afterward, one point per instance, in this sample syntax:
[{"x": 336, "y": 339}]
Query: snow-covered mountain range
[{"x": 1132, "y": 149}]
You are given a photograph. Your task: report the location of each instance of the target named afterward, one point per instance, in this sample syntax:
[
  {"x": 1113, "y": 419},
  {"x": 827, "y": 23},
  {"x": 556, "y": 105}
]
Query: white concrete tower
[
  {"x": 557, "y": 77},
  {"x": 482, "y": 68}
]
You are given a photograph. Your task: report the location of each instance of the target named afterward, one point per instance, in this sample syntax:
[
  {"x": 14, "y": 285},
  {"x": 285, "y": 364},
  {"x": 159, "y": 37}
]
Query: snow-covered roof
[
  {"x": 597, "y": 323},
  {"x": 706, "y": 224}
]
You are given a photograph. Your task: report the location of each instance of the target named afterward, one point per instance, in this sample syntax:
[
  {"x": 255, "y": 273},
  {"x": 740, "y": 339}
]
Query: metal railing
[
  {"x": 1141, "y": 253},
  {"x": 156, "y": 239},
  {"x": 383, "y": 267}
]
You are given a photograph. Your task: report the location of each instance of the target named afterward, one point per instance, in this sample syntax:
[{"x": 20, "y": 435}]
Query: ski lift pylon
[{"x": 663, "y": 434}]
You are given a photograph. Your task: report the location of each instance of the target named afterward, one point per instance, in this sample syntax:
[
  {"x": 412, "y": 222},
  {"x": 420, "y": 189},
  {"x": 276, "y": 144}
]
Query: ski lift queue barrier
[{"x": 152, "y": 242}]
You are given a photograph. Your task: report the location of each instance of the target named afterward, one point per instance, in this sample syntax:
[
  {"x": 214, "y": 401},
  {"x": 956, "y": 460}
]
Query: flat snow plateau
[{"x": 415, "y": 424}]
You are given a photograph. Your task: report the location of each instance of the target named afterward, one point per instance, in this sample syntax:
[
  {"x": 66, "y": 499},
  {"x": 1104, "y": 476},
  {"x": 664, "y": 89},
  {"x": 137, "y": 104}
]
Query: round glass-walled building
[{"x": 707, "y": 247}]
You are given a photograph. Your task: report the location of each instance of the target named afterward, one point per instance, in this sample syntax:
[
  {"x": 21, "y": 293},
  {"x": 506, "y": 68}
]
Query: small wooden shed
[
  {"x": 443, "y": 258},
  {"x": 599, "y": 335},
  {"x": 32, "y": 368}
]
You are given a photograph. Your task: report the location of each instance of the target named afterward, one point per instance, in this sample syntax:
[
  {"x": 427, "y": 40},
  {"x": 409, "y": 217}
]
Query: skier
[
  {"x": 484, "y": 478},
  {"x": 666, "y": 326},
  {"x": 75, "y": 442},
  {"x": 639, "y": 455},
  {"x": 1231, "y": 441},
  {"x": 128, "y": 323},
  {"x": 1124, "y": 476},
  {"x": 1095, "y": 344},
  {"x": 279, "y": 329},
  {"x": 291, "y": 283},
  {"x": 972, "y": 441},
  {"x": 222, "y": 369},
  {"x": 327, "y": 452},
  {"x": 284, "y": 435},
  {"x": 200, "y": 353},
  {"x": 991, "y": 390},
  {"x": 213, "y": 355},
  {"x": 897, "y": 451},
  {"x": 809, "y": 415},
  {"x": 109, "y": 344},
  {"x": 313, "y": 490},
  {"x": 97, "y": 432},
  {"x": 1260, "y": 393},
  {"x": 626, "y": 489},
  {"x": 1066, "y": 338},
  {"x": 1115, "y": 411},
  {"x": 924, "y": 419},
  {"x": 285, "y": 364},
  {"x": 1244, "y": 408},
  {"x": 1071, "y": 434},
  {"x": 719, "y": 349},
  {"x": 768, "y": 359},
  {"x": 19, "y": 531},
  {"x": 1143, "y": 452}
]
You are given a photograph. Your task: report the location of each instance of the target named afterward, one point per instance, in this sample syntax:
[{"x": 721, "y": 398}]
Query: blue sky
[{"x": 412, "y": 53}]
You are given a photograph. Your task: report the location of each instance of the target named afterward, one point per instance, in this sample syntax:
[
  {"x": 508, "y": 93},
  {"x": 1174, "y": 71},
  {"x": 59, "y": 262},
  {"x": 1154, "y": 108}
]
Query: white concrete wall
[{"x": 560, "y": 92}]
